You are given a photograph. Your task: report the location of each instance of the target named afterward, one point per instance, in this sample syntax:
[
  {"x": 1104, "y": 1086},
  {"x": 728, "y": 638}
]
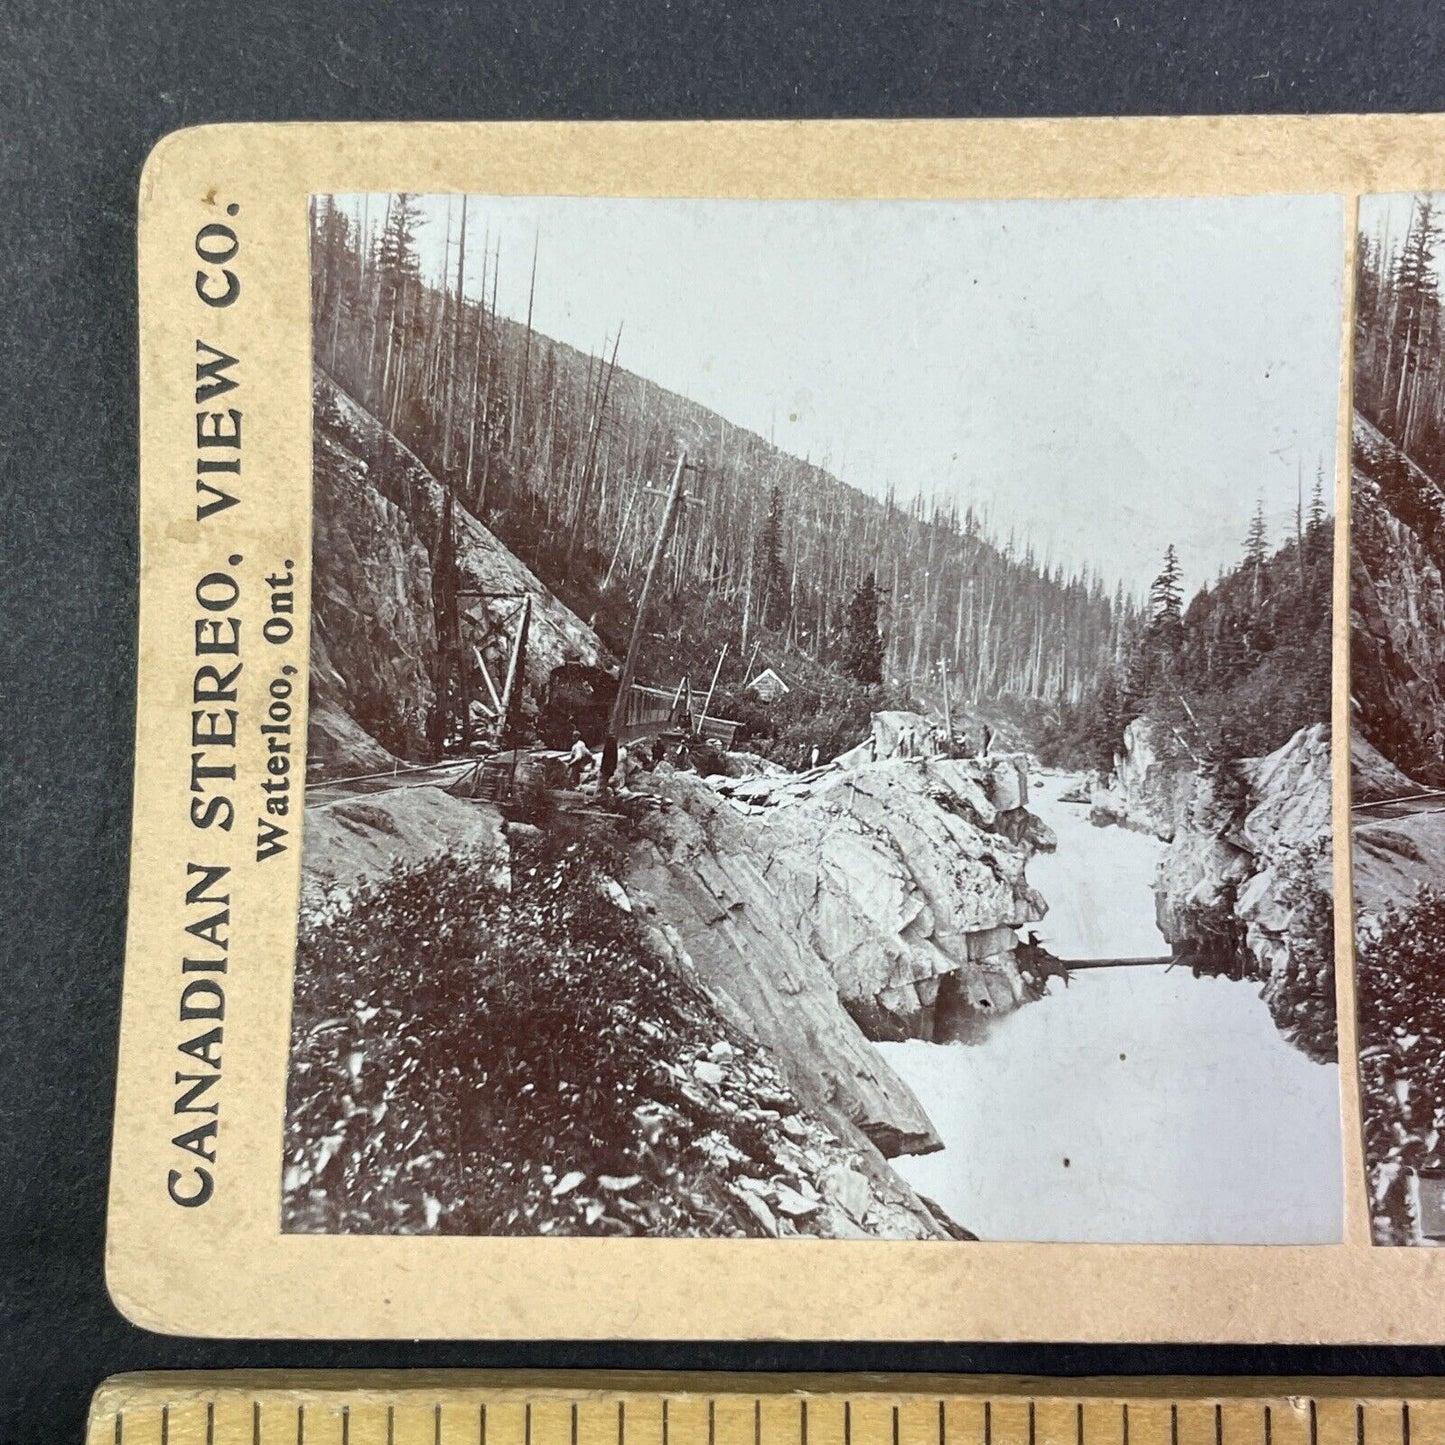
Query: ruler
[{"x": 468, "y": 1408}]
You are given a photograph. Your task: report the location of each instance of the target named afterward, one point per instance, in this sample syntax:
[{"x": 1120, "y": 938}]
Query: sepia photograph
[
  {"x": 819, "y": 720},
  {"x": 1397, "y": 641}
]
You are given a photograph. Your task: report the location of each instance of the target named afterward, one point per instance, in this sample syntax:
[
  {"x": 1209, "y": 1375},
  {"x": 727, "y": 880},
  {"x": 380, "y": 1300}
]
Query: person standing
[{"x": 579, "y": 759}]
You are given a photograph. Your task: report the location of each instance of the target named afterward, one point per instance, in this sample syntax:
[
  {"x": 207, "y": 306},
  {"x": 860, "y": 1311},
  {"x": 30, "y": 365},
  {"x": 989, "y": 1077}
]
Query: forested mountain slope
[{"x": 562, "y": 455}]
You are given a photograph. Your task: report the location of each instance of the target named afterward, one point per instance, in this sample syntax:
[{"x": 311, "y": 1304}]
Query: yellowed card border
[{"x": 225, "y": 1269}]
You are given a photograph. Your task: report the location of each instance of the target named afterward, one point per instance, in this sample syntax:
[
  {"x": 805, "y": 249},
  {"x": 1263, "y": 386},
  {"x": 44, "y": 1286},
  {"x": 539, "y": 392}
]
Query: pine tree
[
  {"x": 1166, "y": 595},
  {"x": 1317, "y": 503},
  {"x": 863, "y": 643},
  {"x": 769, "y": 567},
  {"x": 1256, "y": 541}
]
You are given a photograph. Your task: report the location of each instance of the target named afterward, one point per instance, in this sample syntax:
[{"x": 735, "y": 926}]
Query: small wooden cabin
[{"x": 767, "y": 686}]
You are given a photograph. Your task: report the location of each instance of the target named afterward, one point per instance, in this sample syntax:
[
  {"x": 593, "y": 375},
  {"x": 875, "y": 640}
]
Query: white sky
[
  {"x": 1387, "y": 218},
  {"x": 1105, "y": 377}
]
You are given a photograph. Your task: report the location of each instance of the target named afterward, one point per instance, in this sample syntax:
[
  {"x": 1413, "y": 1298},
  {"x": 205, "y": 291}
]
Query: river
[{"x": 1135, "y": 1105}]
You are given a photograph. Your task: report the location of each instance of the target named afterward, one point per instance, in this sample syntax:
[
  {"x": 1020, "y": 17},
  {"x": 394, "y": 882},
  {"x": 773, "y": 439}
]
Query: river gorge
[{"x": 1138, "y": 1104}]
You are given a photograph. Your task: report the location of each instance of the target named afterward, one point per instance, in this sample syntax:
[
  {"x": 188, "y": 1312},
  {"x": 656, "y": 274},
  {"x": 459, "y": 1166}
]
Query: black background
[{"x": 85, "y": 90}]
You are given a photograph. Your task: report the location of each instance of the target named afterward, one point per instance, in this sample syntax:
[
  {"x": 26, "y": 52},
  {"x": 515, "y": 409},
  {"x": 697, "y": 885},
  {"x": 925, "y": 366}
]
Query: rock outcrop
[
  {"x": 1373, "y": 777},
  {"x": 1153, "y": 782},
  {"x": 372, "y": 636},
  {"x": 1397, "y": 606},
  {"x": 1245, "y": 882},
  {"x": 879, "y": 901},
  {"x": 714, "y": 908},
  {"x": 375, "y": 509},
  {"x": 1395, "y": 853}
]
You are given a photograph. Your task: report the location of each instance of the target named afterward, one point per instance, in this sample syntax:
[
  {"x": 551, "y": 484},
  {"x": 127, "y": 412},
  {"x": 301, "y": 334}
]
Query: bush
[
  {"x": 1402, "y": 1051},
  {"x": 1301, "y": 994},
  {"x": 831, "y": 713},
  {"x": 456, "y": 1048}
]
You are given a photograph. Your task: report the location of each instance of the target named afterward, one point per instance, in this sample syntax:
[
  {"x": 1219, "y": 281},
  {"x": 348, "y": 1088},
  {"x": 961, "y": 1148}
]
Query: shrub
[
  {"x": 1402, "y": 1050},
  {"x": 455, "y": 1047},
  {"x": 1301, "y": 994}
]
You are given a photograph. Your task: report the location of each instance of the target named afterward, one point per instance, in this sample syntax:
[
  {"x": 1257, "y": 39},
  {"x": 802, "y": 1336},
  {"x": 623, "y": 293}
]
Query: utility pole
[
  {"x": 617, "y": 717},
  {"x": 712, "y": 687},
  {"x": 947, "y": 711}
]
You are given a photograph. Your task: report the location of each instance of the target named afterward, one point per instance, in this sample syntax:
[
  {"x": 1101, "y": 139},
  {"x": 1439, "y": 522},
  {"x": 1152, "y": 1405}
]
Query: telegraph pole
[
  {"x": 947, "y": 710},
  {"x": 618, "y": 716}
]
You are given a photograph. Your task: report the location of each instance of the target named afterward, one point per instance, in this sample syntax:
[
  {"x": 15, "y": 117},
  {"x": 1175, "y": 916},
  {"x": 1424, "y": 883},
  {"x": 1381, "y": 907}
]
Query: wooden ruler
[{"x": 466, "y": 1408}]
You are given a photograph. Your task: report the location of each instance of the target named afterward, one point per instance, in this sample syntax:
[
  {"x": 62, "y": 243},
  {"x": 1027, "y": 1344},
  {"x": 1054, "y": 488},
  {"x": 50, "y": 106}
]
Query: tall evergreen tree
[
  {"x": 769, "y": 568},
  {"x": 863, "y": 643},
  {"x": 1166, "y": 595},
  {"x": 1317, "y": 503},
  {"x": 1256, "y": 540}
]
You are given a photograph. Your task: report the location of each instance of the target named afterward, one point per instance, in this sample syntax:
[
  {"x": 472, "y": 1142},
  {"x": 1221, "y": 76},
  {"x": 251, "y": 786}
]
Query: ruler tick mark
[
  {"x": 988, "y": 1422},
  {"x": 1268, "y": 1426},
  {"x": 390, "y": 1425},
  {"x": 345, "y": 1425},
  {"x": 1174, "y": 1425},
  {"x": 942, "y": 1423},
  {"x": 301, "y": 1425},
  {"x": 1359, "y": 1425},
  {"x": 622, "y": 1422},
  {"x": 711, "y": 1423},
  {"x": 255, "y": 1422},
  {"x": 664, "y": 1424},
  {"x": 436, "y": 1427},
  {"x": 1078, "y": 1421},
  {"x": 210, "y": 1422},
  {"x": 1405, "y": 1422},
  {"x": 1032, "y": 1426},
  {"x": 482, "y": 1424},
  {"x": 119, "y": 1426},
  {"x": 574, "y": 1423},
  {"x": 1218, "y": 1424},
  {"x": 1125, "y": 1426},
  {"x": 165, "y": 1425},
  {"x": 1314, "y": 1424},
  {"x": 526, "y": 1425}
]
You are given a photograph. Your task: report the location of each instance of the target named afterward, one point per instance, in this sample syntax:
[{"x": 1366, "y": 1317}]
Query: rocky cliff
[
  {"x": 900, "y": 883},
  {"x": 1246, "y": 881},
  {"x": 1152, "y": 785},
  {"x": 1397, "y": 607},
  {"x": 375, "y": 509}
]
